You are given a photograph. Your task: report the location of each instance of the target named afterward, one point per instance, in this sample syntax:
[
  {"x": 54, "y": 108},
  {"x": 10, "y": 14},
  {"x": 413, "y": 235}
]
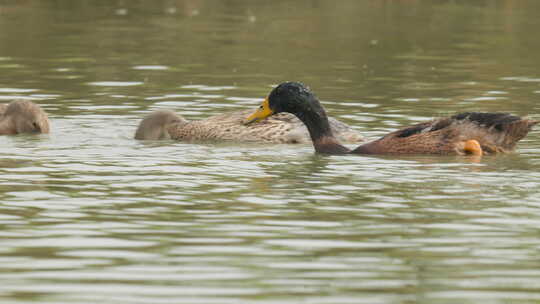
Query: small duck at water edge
[
  {"x": 22, "y": 116},
  {"x": 465, "y": 133}
]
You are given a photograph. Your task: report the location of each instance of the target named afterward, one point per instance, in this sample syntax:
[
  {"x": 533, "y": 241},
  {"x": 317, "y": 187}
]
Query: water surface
[{"x": 88, "y": 214}]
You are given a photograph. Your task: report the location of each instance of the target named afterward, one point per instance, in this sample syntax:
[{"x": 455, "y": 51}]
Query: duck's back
[
  {"x": 230, "y": 127},
  {"x": 279, "y": 128},
  {"x": 495, "y": 132}
]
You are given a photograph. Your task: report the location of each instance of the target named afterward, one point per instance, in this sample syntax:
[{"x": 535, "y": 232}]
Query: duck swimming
[
  {"x": 22, "y": 116},
  {"x": 465, "y": 133},
  {"x": 281, "y": 128}
]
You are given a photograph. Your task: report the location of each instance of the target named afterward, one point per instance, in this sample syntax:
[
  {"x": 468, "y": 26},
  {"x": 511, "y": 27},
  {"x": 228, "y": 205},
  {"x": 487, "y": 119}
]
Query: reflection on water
[{"x": 88, "y": 214}]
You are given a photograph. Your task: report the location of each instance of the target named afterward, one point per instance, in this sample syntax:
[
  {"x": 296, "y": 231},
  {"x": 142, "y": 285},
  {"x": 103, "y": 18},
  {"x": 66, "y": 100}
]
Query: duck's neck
[{"x": 319, "y": 129}]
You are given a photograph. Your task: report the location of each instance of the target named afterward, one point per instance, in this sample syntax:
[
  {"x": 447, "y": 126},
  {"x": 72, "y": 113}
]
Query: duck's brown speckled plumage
[
  {"x": 495, "y": 132},
  {"x": 282, "y": 128}
]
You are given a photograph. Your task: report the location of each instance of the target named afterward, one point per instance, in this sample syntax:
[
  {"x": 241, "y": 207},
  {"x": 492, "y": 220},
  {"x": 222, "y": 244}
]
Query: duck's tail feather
[{"x": 496, "y": 132}]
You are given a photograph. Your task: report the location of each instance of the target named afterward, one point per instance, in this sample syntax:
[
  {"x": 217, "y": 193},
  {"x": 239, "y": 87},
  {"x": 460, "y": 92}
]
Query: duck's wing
[
  {"x": 278, "y": 128},
  {"x": 230, "y": 127},
  {"x": 422, "y": 138},
  {"x": 495, "y": 132}
]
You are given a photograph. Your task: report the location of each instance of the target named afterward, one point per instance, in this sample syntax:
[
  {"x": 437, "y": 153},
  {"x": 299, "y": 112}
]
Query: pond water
[{"x": 88, "y": 215}]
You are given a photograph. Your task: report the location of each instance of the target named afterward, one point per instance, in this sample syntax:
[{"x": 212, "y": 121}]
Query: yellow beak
[{"x": 263, "y": 112}]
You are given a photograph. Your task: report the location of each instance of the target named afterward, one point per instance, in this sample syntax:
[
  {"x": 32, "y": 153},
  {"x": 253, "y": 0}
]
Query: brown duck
[
  {"x": 464, "y": 133},
  {"x": 22, "y": 116},
  {"x": 281, "y": 128}
]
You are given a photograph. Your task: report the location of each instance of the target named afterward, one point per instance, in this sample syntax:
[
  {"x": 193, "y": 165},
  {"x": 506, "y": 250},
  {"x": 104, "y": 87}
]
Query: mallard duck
[
  {"x": 22, "y": 116},
  {"x": 282, "y": 128},
  {"x": 464, "y": 133}
]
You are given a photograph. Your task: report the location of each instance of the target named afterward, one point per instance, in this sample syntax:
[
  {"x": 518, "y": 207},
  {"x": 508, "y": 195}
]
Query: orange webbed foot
[{"x": 472, "y": 147}]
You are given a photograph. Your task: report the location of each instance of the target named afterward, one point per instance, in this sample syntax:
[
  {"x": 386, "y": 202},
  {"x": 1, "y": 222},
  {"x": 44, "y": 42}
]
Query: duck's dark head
[
  {"x": 291, "y": 97},
  {"x": 297, "y": 99}
]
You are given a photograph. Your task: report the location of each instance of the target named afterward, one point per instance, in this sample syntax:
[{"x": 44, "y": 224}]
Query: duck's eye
[{"x": 261, "y": 107}]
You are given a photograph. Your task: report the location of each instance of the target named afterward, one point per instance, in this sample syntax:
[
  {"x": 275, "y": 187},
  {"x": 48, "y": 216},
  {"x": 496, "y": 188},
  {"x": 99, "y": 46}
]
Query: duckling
[
  {"x": 281, "y": 128},
  {"x": 464, "y": 133},
  {"x": 22, "y": 116}
]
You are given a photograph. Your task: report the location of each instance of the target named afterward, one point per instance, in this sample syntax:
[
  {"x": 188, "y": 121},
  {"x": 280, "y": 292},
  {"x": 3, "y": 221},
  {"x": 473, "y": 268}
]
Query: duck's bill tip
[
  {"x": 256, "y": 117},
  {"x": 263, "y": 112},
  {"x": 250, "y": 120}
]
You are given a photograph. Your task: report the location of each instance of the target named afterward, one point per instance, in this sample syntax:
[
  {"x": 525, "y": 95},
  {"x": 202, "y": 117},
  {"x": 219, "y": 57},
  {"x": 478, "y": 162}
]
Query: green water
[{"x": 89, "y": 215}]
